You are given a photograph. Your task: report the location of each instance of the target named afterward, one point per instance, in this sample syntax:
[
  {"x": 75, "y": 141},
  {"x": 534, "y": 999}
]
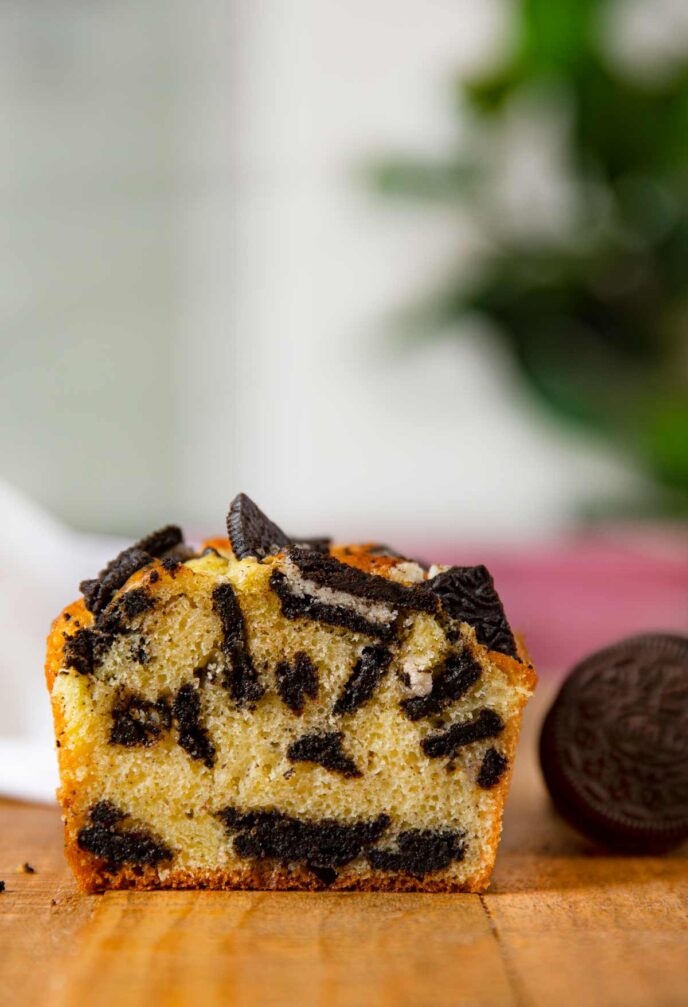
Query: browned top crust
[{"x": 365, "y": 557}]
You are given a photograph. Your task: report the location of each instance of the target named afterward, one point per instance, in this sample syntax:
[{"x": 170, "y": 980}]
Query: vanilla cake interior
[{"x": 278, "y": 713}]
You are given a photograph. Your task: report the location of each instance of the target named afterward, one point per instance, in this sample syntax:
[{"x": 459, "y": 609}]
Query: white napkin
[{"x": 41, "y": 564}]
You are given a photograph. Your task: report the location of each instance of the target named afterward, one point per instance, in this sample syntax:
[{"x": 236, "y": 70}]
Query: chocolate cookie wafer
[{"x": 614, "y": 745}]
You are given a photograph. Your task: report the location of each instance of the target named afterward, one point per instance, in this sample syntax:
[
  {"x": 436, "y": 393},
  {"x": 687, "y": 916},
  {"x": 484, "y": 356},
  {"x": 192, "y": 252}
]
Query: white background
[{"x": 196, "y": 285}]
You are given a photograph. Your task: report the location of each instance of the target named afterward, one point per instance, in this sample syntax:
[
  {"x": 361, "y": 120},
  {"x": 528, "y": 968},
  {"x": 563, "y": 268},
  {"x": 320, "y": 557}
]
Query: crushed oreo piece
[
  {"x": 26, "y": 868},
  {"x": 492, "y": 769},
  {"x": 79, "y": 651},
  {"x": 298, "y": 606},
  {"x": 136, "y": 721},
  {"x": 116, "y": 846},
  {"x": 325, "y": 750},
  {"x": 420, "y": 852},
  {"x": 136, "y": 601},
  {"x": 161, "y": 541},
  {"x": 98, "y": 592},
  {"x": 468, "y": 593},
  {"x": 364, "y": 679},
  {"x": 487, "y": 724},
  {"x": 455, "y": 678},
  {"x": 323, "y": 845},
  {"x": 192, "y": 735},
  {"x": 326, "y": 571},
  {"x": 241, "y": 678},
  {"x": 106, "y": 813},
  {"x": 251, "y": 532},
  {"x": 2, "y": 886},
  {"x": 89, "y": 646},
  {"x": 295, "y": 681}
]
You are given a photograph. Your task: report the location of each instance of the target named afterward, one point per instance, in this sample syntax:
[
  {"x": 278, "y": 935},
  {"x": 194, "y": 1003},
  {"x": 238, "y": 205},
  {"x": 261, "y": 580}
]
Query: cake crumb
[
  {"x": 420, "y": 682},
  {"x": 26, "y": 868},
  {"x": 2, "y": 886}
]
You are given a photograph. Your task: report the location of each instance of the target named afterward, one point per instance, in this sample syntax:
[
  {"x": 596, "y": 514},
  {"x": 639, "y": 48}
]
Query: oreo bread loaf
[{"x": 273, "y": 713}]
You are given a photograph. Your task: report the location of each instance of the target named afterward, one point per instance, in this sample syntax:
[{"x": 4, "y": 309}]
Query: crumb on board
[
  {"x": 2, "y": 886},
  {"x": 26, "y": 868}
]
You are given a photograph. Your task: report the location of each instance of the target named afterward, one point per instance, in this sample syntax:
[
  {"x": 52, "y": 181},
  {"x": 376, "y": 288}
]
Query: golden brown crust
[
  {"x": 519, "y": 672},
  {"x": 221, "y": 545},
  {"x": 363, "y": 558},
  {"x": 68, "y": 622},
  {"x": 92, "y": 877}
]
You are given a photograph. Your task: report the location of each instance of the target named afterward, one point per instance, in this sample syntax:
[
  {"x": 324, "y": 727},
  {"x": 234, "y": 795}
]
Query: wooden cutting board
[{"x": 563, "y": 924}]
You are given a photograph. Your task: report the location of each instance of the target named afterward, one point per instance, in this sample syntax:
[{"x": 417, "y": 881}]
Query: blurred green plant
[{"x": 597, "y": 315}]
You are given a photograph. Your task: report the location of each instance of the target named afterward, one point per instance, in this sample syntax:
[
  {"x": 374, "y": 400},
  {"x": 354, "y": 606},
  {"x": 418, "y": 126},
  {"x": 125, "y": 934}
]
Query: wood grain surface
[{"x": 563, "y": 924}]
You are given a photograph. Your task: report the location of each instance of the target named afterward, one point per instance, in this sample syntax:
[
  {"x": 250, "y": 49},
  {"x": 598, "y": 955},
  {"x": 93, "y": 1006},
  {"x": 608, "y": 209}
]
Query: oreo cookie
[
  {"x": 468, "y": 593},
  {"x": 105, "y": 838},
  {"x": 98, "y": 591},
  {"x": 192, "y": 736},
  {"x": 251, "y": 532},
  {"x": 451, "y": 682},
  {"x": 420, "y": 852},
  {"x": 486, "y": 724},
  {"x": 326, "y": 571},
  {"x": 364, "y": 679},
  {"x": 321, "y": 845},
  {"x": 492, "y": 769},
  {"x": 79, "y": 651},
  {"x": 297, "y": 605},
  {"x": 136, "y": 721},
  {"x": 614, "y": 745},
  {"x": 241, "y": 678},
  {"x": 162, "y": 541},
  {"x": 296, "y": 681}
]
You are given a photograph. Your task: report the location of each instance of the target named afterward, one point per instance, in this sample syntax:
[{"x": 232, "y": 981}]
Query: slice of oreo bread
[{"x": 275, "y": 711}]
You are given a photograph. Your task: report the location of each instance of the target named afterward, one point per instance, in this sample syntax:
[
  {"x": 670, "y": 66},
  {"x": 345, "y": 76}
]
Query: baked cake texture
[{"x": 277, "y": 713}]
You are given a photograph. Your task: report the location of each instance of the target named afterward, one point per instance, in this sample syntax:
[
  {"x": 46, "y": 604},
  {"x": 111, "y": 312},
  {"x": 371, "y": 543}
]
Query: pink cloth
[{"x": 571, "y": 598}]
